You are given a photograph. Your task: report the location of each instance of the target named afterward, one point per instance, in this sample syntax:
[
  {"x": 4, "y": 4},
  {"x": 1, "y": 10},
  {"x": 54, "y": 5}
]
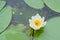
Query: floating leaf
[
  {"x": 2, "y": 37},
  {"x": 5, "y": 17},
  {"x": 51, "y": 30},
  {"x": 38, "y": 4},
  {"x": 14, "y": 33},
  {"x": 53, "y": 4},
  {"x": 2, "y": 4}
]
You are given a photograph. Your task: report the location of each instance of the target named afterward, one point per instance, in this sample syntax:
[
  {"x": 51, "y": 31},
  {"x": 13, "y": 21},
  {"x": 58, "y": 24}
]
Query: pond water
[
  {"x": 20, "y": 19},
  {"x": 24, "y": 12}
]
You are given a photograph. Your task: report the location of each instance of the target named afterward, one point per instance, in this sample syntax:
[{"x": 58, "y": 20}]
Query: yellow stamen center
[{"x": 37, "y": 23}]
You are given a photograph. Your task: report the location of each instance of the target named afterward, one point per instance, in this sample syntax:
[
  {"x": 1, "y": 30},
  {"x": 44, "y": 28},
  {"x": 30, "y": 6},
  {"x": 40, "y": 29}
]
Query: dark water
[{"x": 23, "y": 12}]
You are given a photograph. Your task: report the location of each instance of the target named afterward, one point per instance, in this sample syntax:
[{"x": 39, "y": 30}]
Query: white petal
[
  {"x": 31, "y": 24},
  {"x": 33, "y": 27},
  {"x": 36, "y": 28},
  {"x": 32, "y": 17},
  {"x": 43, "y": 18},
  {"x": 37, "y": 16},
  {"x": 45, "y": 23},
  {"x": 30, "y": 20}
]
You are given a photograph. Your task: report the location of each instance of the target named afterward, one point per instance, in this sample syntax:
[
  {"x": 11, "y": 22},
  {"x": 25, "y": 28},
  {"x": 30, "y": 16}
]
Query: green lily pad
[
  {"x": 38, "y": 4},
  {"x": 14, "y": 33},
  {"x": 2, "y": 37},
  {"x": 5, "y": 17},
  {"x": 53, "y": 4},
  {"x": 51, "y": 30},
  {"x": 2, "y": 4}
]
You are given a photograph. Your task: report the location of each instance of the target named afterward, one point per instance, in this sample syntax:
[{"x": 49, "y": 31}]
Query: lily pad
[
  {"x": 2, "y": 4},
  {"x": 5, "y": 17},
  {"x": 2, "y": 37},
  {"x": 51, "y": 30},
  {"x": 14, "y": 33},
  {"x": 53, "y": 4},
  {"x": 38, "y": 4}
]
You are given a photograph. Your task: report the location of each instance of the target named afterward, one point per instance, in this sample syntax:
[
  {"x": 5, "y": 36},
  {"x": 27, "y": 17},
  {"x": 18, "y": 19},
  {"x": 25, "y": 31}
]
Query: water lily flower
[{"x": 36, "y": 22}]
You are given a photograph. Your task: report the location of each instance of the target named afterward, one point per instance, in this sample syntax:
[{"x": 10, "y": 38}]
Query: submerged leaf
[{"x": 18, "y": 27}]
